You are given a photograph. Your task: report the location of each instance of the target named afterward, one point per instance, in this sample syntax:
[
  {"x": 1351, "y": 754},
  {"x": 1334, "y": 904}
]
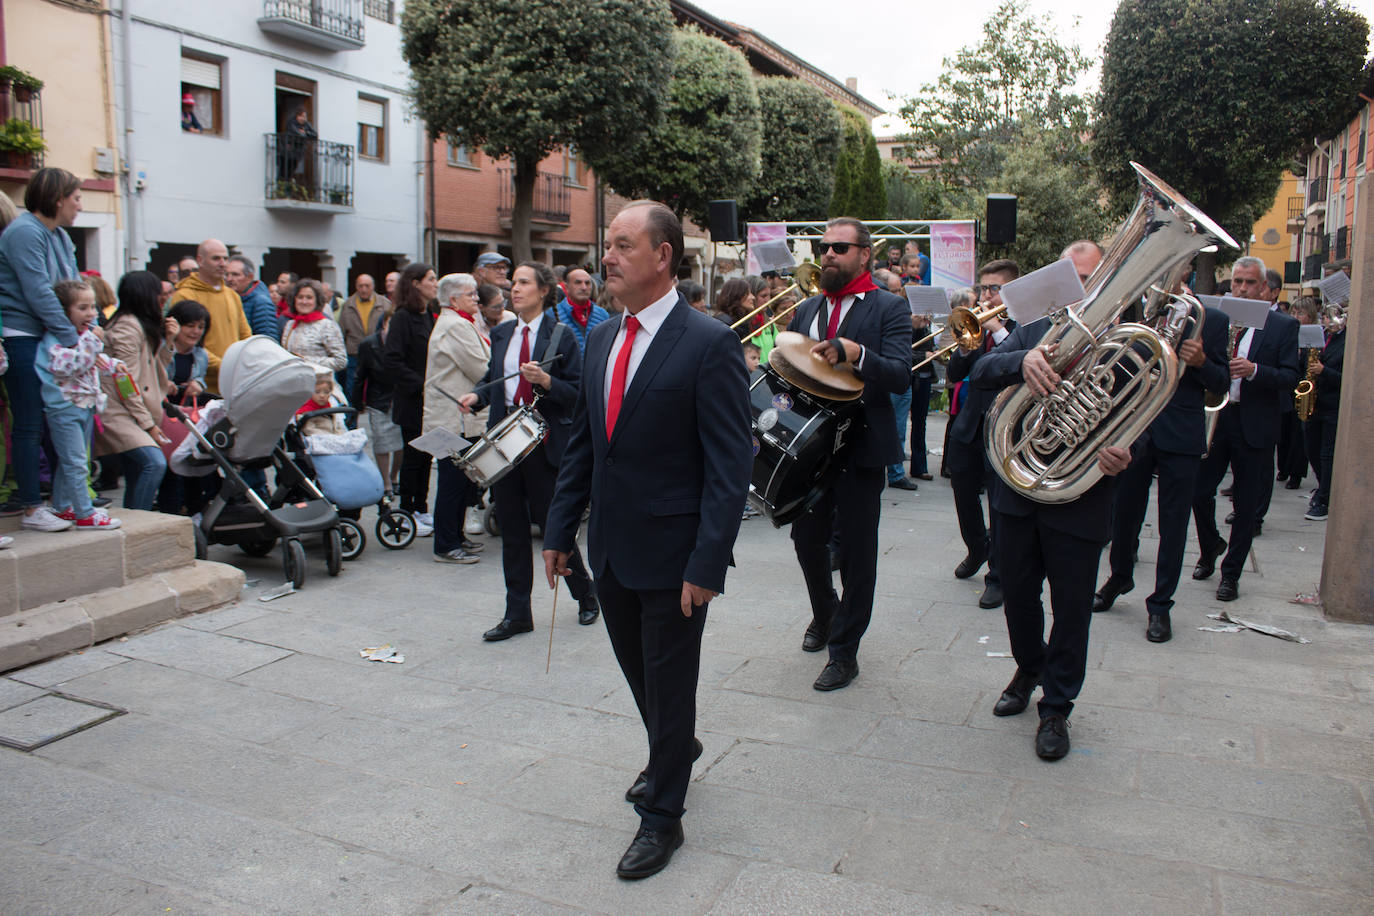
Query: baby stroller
[
  {"x": 346, "y": 474},
  {"x": 262, "y": 385}
]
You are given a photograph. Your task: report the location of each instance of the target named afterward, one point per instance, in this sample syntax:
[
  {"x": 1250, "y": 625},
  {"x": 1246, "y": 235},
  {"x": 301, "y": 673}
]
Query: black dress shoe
[
  {"x": 815, "y": 637},
  {"x": 1227, "y": 590},
  {"x": 505, "y": 630},
  {"x": 923, "y": 476},
  {"x": 1052, "y": 737},
  {"x": 1230, "y": 518},
  {"x": 472, "y": 546},
  {"x": 1111, "y": 590},
  {"x": 836, "y": 674},
  {"x": 635, "y": 793},
  {"x": 1259, "y": 527},
  {"x": 991, "y": 597},
  {"x": 903, "y": 483},
  {"x": 650, "y": 852},
  {"x": 1281, "y": 477},
  {"x": 1016, "y": 697},
  {"x": 1159, "y": 629},
  {"x": 971, "y": 563},
  {"x": 1207, "y": 563},
  {"x": 100, "y": 502},
  {"x": 588, "y": 611},
  {"x": 1294, "y": 483},
  {"x": 1227, "y": 492}
]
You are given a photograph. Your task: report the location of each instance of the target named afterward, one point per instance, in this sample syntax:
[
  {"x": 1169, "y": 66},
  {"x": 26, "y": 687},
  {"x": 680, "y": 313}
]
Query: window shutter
[
  {"x": 200, "y": 72},
  {"x": 371, "y": 112}
]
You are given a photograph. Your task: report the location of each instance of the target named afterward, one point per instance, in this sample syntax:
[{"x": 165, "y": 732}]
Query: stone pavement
[{"x": 262, "y": 766}]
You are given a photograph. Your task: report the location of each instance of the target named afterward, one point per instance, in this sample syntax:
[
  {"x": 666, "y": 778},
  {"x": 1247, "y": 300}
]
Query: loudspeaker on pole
[
  {"x": 1001, "y": 222},
  {"x": 724, "y": 221}
]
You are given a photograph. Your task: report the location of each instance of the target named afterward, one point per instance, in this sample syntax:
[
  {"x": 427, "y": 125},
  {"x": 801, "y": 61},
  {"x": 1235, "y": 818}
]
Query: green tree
[
  {"x": 521, "y": 80},
  {"x": 801, "y": 141},
  {"x": 870, "y": 191},
  {"x": 849, "y": 164},
  {"x": 705, "y": 144},
  {"x": 1216, "y": 96},
  {"x": 911, "y": 196}
]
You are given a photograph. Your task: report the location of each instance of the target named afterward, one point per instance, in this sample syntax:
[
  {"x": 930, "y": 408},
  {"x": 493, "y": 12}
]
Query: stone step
[
  {"x": 51, "y": 629},
  {"x": 41, "y": 568}
]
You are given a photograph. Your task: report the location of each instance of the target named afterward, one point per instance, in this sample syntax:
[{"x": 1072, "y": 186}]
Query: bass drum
[{"x": 798, "y": 441}]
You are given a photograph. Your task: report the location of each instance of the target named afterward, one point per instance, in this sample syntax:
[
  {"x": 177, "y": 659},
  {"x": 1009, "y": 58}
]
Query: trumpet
[
  {"x": 965, "y": 325},
  {"x": 806, "y": 276}
]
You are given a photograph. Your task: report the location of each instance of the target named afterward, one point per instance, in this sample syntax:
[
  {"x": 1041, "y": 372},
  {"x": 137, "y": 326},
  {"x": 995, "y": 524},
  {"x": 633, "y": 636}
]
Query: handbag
[{"x": 174, "y": 429}]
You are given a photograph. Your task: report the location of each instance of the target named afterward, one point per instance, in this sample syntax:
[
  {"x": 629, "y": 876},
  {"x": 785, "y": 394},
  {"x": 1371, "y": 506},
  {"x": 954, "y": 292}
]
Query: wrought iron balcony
[
  {"x": 552, "y": 198},
  {"x": 1295, "y": 209},
  {"x": 21, "y": 124},
  {"x": 384, "y": 10},
  {"x": 308, "y": 174},
  {"x": 336, "y": 25},
  {"x": 1316, "y": 191}
]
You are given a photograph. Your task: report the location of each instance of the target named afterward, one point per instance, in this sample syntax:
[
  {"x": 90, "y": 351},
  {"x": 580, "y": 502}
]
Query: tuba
[{"x": 1114, "y": 378}]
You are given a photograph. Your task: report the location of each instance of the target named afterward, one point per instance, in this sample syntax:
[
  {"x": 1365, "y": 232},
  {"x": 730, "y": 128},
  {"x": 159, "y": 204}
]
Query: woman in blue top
[{"x": 35, "y": 253}]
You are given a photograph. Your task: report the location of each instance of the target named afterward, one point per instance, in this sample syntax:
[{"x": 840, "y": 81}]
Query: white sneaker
[
  {"x": 474, "y": 523},
  {"x": 424, "y": 524},
  {"x": 425, "y": 518},
  {"x": 43, "y": 519},
  {"x": 5, "y": 541}
]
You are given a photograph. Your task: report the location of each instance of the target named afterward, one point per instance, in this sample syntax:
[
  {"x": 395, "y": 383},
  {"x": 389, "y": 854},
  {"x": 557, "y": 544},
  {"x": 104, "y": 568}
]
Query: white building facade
[{"x": 343, "y": 202}]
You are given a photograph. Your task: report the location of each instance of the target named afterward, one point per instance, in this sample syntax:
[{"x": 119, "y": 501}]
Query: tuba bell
[{"x": 1114, "y": 378}]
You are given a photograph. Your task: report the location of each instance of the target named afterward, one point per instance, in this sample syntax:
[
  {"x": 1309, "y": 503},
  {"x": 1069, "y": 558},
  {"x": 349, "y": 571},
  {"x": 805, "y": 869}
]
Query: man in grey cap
[{"x": 494, "y": 268}]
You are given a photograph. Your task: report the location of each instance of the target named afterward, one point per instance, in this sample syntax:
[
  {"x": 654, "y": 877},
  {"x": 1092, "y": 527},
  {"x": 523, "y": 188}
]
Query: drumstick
[
  {"x": 553, "y": 616},
  {"x": 496, "y": 381}
]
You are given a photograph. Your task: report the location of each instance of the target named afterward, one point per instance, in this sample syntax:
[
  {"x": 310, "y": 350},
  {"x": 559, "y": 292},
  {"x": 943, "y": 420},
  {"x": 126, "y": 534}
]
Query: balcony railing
[
  {"x": 384, "y": 10},
  {"x": 1295, "y": 208},
  {"x": 29, "y": 115},
  {"x": 1316, "y": 191},
  {"x": 552, "y": 199},
  {"x": 310, "y": 174},
  {"x": 333, "y": 24}
]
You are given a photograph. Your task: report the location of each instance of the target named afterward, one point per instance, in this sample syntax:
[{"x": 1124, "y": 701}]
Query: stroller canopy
[{"x": 262, "y": 386}]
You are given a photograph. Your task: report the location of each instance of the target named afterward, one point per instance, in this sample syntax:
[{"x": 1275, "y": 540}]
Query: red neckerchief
[
  {"x": 581, "y": 311},
  {"x": 473, "y": 319},
  {"x": 309, "y": 406},
  {"x": 863, "y": 283},
  {"x": 308, "y": 317}
]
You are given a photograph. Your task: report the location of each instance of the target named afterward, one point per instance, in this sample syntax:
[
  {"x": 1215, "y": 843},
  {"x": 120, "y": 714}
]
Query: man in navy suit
[
  {"x": 870, "y": 330},
  {"x": 1263, "y": 368},
  {"x": 1172, "y": 448},
  {"x": 661, "y": 446},
  {"x": 522, "y": 496}
]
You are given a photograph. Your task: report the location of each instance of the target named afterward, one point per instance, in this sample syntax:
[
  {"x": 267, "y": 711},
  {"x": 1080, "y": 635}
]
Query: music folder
[
  {"x": 440, "y": 443},
  {"x": 1311, "y": 336},
  {"x": 1042, "y": 291},
  {"x": 927, "y": 300},
  {"x": 1247, "y": 313},
  {"x": 1335, "y": 288},
  {"x": 774, "y": 255}
]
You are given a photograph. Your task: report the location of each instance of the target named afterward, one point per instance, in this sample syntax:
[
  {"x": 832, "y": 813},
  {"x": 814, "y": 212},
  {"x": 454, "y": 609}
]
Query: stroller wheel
[
  {"x": 293, "y": 562},
  {"x": 489, "y": 519},
  {"x": 333, "y": 551},
  {"x": 202, "y": 543},
  {"x": 354, "y": 539},
  {"x": 395, "y": 529}
]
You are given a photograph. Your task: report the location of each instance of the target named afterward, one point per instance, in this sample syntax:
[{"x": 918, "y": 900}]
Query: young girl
[{"x": 71, "y": 398}]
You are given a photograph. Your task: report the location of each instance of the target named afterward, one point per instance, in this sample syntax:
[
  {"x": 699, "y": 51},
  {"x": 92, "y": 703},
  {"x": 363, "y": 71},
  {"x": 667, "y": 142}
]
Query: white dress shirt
[
  {"x": 1243, "y": 352},
  {"x": 816, "y": 332},
  {"x": 650, "y": 318},
  {"x": 512, "y": 363}
]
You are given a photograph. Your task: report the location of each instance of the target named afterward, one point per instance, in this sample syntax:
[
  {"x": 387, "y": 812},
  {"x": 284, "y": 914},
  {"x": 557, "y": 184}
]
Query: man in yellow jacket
[{"x": 206, "y": 285}]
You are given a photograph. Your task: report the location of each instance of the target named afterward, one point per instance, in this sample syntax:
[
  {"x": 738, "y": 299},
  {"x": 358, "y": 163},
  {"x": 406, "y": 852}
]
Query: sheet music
[
  {"x": 927, "y": 300},
  {"x": 1248, "y": 313},
  {"x": 774, "y": 254},
  {"x": 1335, "y": 288},
  {"x": 440, "y": 442},
  {"x": 1040, "y": 292},
  {"x": 1311, "y": 335}
]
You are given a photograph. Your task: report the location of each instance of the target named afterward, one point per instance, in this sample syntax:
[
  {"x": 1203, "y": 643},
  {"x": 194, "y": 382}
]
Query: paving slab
[
  {"x": 197, "y": 651},
  {"x": 761, "y": 890},
  {"x": 67, "y": 667},
  {"x": 47, "y": 718},
  {"x": 1246, "y": 896},
  {"x": 12, "y": 693}
]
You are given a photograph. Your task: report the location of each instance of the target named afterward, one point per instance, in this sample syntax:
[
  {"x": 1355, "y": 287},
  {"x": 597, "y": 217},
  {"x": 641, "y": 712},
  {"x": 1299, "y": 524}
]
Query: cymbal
[{"x": 792, "y": 359}]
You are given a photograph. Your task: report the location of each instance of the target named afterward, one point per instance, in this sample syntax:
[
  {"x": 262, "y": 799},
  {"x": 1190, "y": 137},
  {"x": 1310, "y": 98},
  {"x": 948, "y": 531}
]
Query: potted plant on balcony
[
  {"x": 20, "y": 141},
  {"x": 25, "y": 84}
]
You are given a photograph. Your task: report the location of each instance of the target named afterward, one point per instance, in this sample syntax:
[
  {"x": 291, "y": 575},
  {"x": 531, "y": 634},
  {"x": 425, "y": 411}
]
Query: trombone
[
  {"x": 806, "y": 276},
  {"x": 965, "y": 325}
]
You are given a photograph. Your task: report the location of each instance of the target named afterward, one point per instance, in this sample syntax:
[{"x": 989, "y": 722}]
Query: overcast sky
[{"x": 894, "y": 54}]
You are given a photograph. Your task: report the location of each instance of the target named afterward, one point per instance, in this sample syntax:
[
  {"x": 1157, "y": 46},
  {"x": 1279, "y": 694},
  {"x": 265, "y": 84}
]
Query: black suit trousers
[
  {"x": 1254, "y": 481},
  {"x": 1320, "y": 435},
  {"x": 920, "y": 411},
  {"x": 969, "y": 472},
  {"x": 659, "y": 651},
  {"x": 414, "y": 476},
  {"x": 1032, "y": 553},
  {"x": 522, "y": 498},
  {"x": 1177, "y": 478},
  {"x": 857, "y": 494}
]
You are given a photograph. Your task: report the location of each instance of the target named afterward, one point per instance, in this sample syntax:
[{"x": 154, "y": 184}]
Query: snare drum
[
  {"x": 503, "y": 446},
  {"x": 798, "y": 443}
]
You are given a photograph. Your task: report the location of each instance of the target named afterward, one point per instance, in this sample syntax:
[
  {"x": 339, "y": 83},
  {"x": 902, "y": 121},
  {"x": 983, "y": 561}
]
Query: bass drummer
[
  {"x": 869, "y": 329},
  {"x": 522, "y": 496}
]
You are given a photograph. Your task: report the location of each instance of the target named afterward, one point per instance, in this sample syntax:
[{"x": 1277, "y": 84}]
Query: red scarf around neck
[
  {"x": 473, "y": 319},
  {"x": 863, "y": 283},
  {"x": 308, "y": 317}
]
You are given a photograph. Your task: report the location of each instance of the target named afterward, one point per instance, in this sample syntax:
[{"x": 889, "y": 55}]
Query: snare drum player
[
  {"x": 522, "y": 496},
  {"x": 861, "y": 326}
]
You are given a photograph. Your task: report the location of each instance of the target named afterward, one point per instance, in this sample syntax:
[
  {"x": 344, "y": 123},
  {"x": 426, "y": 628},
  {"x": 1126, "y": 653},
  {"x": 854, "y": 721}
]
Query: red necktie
[
  {"x": 524, "y": 392},
  {"x": 622, "y": 368},
  {"x": 834, "y": 325}
]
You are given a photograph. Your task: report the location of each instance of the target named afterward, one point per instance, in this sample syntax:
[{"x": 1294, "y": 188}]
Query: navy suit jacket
[
  {"x": 881, "y": 323},
  {"x": 968, "y": 423},
  {"x": 1274, "y": 351},
  {"x": 565, "y": 377},
  {"x": 1181, "y": 427},
  {"x": 668, "y": 489},
  {"x": 1329, "y": 379}
]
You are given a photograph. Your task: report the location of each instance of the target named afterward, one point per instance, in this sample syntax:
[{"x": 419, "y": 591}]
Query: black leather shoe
[
  {"x": 991, "y": 597},
  {"x": 836, "y": 674},
  {"x": 815, "y": 638},
  {"x": 649, "y": 853},
  {"x": 505, "y": 630},
  {"x": 472, "y": 546},
  {"x": 1159, "y": 629},
  {"x": 971, "y": 563},
  {"x": 1259, "y": 527},
  {"x": 1227, "y": 590},
  {"x": 635, "y": 793},
  {"x": 1230, "y": 518},
  {"x": 1281, "y": 477},
  {"x": 1207, "y": 563},
  {"x": 588, "y": 611},
  {"x": 903, "y": 483},
  {"x": 1227, "y": 492},
  {"x": 923, "y": 476},
  {"x": 1294, "y": 483},
  {"x": 1016, "y": 697},
  {"x": 100, "y": 502},
  {"x": 1052, "y": 737},
  {"x": 1111, "y": 590}
]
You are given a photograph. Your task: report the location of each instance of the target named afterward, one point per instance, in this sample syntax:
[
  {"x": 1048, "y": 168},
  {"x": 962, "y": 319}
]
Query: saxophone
[
  {"x": 1305, "y": 395},
  {"x": 1114, "y": 378}
]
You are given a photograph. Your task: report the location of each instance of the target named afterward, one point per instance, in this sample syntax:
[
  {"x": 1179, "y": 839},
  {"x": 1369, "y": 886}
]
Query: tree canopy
[
  {"x": 801, "y": 141},
  {"x": 859, "y": 188},
  {"x": 704, "y": 145},
  {"x": 520, "y": 80}
]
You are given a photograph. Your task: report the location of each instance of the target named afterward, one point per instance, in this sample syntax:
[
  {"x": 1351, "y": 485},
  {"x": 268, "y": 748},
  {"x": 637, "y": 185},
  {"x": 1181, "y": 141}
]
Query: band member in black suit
[
  {"x": 1172, "y": 448},
  {"x": 965, "y": 456},
  {"x": 1320, "y": 430},
  {"x": 1038, "y": 541},
  {"x": 870, "y": 329},
  {"x": 522, "y": 496},
  {"x": 1263, "y": 366},
  {"x": 661, "y": 445}
]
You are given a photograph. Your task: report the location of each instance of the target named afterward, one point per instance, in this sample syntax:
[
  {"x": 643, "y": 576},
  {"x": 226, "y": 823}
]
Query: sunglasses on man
[{"x": 840, "y": 248}]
